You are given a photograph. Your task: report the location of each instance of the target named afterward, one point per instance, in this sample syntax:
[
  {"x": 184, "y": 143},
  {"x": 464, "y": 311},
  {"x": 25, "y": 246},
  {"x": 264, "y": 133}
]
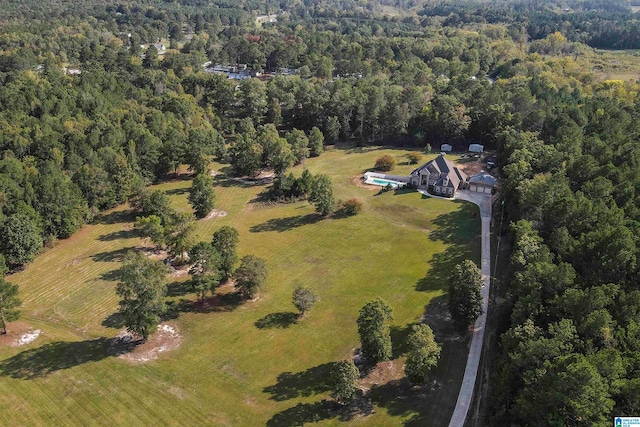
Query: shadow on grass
[
  {"x": 458, "y": 227},
  {"x": 442, "y": 265},
  {"x": 177, "y": 191},
  {"x": 277, "y": 320},
  {"x": 178, "y": 289},
  {"x": 111, "y": 275},
  {"x": 399, "y": 337},
  {"x": 288, "y": 223},
  {"x": 55, "y": 356},
  {"x": 219, "y": 303},
  {"x": 119, "y": 235},
  {"x": 112, "y": 256},
  {"x": 116, "y": 217},
  {"x": 302, "y": 384},
  {"x": 114, "y": 321},
  {"x": 304, "y": 413}
]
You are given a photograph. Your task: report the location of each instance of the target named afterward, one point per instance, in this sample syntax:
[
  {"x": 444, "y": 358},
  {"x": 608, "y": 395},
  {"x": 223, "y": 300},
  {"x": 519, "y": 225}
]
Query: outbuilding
[
  {"x": 446, "y": 147},
  {"x": 476, "y": 148}
]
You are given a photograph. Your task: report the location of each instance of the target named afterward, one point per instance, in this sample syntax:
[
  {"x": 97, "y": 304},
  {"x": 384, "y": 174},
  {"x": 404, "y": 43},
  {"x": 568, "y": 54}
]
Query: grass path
[{"x": 245, "y": 365}]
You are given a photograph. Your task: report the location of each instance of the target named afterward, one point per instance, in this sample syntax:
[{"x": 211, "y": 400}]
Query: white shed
[
  {"x": 476, "y": 148},
  {"x": 446, "y": 147}
]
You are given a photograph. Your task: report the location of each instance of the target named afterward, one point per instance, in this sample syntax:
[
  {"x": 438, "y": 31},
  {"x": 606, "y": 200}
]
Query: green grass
[{"x": 245, "y": 365}]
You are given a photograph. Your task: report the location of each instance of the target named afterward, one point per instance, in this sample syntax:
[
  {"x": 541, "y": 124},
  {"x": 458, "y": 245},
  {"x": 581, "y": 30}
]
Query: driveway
[{"x": 475, "y": 351}]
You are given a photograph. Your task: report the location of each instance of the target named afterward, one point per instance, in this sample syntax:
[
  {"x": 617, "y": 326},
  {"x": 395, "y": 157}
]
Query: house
[
  {"x": 440, "y": 175},
  {"x": 476, "y": 148},
  {"x": 482, "y": 183},
  {"x": 446, "y": 147}
]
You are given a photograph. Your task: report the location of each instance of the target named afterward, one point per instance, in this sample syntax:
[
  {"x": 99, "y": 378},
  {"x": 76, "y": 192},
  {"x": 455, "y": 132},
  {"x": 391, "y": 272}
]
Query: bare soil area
[
  {"x": 126, "y": 346},
  {"x": 19, "y": 334}
]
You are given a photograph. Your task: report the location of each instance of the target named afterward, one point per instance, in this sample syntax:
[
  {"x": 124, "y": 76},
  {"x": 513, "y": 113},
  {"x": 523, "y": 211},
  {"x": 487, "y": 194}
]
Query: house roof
[
  {"x": 449, "y": 174},
  {"x": 483, "y": 179}
]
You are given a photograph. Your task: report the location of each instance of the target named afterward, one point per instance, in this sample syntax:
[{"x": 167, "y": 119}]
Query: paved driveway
[{"x": 473, "y": 361}]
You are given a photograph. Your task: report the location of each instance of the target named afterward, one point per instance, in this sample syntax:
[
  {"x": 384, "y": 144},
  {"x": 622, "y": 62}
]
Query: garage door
[
  {"x": 487, "y": 189},
  {"x": 474, "y": 187}
]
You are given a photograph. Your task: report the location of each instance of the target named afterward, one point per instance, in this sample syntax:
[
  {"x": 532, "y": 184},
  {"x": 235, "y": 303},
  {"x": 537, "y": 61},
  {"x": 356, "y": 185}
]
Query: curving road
[{"x": 475, "y": 351}]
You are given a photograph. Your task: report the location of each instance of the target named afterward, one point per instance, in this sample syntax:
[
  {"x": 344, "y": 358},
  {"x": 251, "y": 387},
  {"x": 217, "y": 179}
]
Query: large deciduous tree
[
  {"x": 225, "y": 240},
  {"x": 373, "y": 329},
  {"x": 202, "y": 196},
  {"x": 343, "y": 378},
  {"x": 21, "y": 239},
  {"x": 205, "y": 268},
  {"x": 322, "y": 195},
  {"x": 465, "y": 298},
  {"x": 423, "y": 354},
  {"x": 9, "y": 303},
  {"x": 304, "y": 299},
  {"x": 250, "y": 276},
  {"x": 141, "y": 289}
]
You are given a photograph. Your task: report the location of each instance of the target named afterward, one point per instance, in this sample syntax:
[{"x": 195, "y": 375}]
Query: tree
[
  {"x": 141, "y": 289},
  {"x": 21, "y": 239},
  {"x": 423, "y": 354},
  {"x": 316, "y": 142},
  {"x": 465, "y": 298},
  {"x": 179, "y": 234},
  {"x": 202, "y": 196},
  {"x": 373, "y": 329},
  {"x": 299, "y": 144},
  {"x": 9, "y": 303},
  {"x": 250, "y": 276},
  {"x": 246, "y": 156},
  {"x": 205, "y": 268},
  {"x": 343, "y": 378},
  {"x": 153, "y": 202},
  {"x": 385, "y": 163},
  {"x": 3, "y": 266},
  {"x": 304, "y": 299},
  {"x": 322, "y": 195},
  {"x": 150, "y": 57},
  {"x": 225, "y": 241},
  {"x": 151, "y": 227}
]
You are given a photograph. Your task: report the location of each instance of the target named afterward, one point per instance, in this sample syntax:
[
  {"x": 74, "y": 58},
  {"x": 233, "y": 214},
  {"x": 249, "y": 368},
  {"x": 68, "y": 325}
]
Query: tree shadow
[
  {"x": 219, "y": 303},
  {"x": 399, "y": 337},
  {"x": 55, "y": 356},
  {"x": 304, "y": 413},
  {"x": 112, "y": 256},
  {"x": 176, "y": 191},
  {"x": 302, "y": 384},
  {"x": 178, "y": 289},
  {"x": 119, "y": 235},
  {"x": 114, "y": 321},
  {"x": 111, "y": 275},
  {"x": 441, "y": 267},
  {"x": 284, "y": 224},
  {"x": 458, "y": 227},
  {"x": 277, "y": 320},
  {"x": 222, "y": 181},
  {"x": 116, "y": 217}
]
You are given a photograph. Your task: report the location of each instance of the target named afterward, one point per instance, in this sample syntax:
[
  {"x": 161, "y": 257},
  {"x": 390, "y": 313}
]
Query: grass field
[{"x": 246, "y": 365}]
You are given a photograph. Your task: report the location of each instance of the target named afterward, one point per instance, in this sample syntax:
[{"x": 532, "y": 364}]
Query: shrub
[
  {"x": 385, "y": 163},
  {"x": 352, "y": 207},
  {"x": 413, "y": 157}
]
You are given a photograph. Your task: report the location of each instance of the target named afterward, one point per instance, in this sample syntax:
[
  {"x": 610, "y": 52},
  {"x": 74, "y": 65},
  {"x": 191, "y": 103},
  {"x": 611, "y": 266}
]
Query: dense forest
[{"x": 91, "y": 112}]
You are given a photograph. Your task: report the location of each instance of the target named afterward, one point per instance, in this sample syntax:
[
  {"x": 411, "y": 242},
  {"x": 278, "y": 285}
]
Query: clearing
[{"x": 248, "y": 364}]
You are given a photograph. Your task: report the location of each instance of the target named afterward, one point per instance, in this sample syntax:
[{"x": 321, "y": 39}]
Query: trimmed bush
[{"x": 385, "y": 163}]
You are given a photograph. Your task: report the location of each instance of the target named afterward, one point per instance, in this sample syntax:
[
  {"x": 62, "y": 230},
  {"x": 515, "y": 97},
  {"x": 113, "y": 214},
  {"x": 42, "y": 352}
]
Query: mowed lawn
[{"x": 246, "y": 365}]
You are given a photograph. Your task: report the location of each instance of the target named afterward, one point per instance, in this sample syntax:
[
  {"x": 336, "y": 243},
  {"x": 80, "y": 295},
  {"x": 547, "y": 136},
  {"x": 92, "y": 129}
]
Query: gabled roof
[
  {"x": 483, "y": 178},
  {"x": 442, "y": 166}
]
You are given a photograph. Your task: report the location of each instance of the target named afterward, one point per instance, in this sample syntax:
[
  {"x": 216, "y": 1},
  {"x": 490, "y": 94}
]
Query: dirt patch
[
  {"x": 180, "y": 272},
  {"x": 382, "y": 373},
  {"x": 263, "y": 178},
  {"x": 153, "y": 252},
  {"x": 216, "y": 213},
  {"x": 472, "y": 166},
  {"x": 357, "y": 181},
  {"x": 126, "y": 347},
  {"x": 18, "y": 334}
]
